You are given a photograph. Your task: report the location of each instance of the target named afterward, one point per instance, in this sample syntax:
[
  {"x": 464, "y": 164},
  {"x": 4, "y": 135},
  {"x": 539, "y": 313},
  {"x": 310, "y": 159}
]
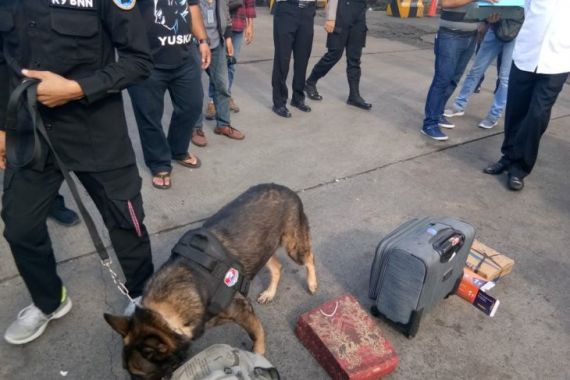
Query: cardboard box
[
  {"x": 488, "y": 263},
  {"x": 347, "y": 341},
  {"x": 473, "y": 287}
]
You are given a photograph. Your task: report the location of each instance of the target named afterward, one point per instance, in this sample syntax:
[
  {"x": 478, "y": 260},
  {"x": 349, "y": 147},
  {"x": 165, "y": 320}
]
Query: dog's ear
[{"x": 120, "y": 324}]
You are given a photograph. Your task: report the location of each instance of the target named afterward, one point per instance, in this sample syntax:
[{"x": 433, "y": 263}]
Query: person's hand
[
  {"x": 249, "y": 33},
  {"x": 493, "y": 18},
  {"x": 229, "y": 47},
  {"x": 329, "y": 26},
  {"x": 54, "y": 90},
  {"x": 205, "y": 54},
  {"x": 2, "y": 150}
]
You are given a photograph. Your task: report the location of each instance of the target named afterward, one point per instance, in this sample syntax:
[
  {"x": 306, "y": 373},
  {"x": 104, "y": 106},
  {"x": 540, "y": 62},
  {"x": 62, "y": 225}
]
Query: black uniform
[
  {"x": 76, "y": 39},
  {"x": 293, "y": 29},
  {"x": 350, "y": 33}
]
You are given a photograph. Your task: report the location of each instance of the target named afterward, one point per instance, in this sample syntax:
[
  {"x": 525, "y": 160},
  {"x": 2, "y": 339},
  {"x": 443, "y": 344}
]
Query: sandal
[
  {"x": 163, "y": 178},
  {"x": 190, "y": 156}
]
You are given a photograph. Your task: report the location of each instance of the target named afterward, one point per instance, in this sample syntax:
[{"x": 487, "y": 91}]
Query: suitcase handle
[{"x": 447, "y": 242}]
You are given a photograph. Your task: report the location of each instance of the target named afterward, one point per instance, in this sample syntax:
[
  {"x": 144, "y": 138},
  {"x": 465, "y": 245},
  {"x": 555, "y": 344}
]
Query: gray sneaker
[
  {"x": 32, "y": 322},
  {"x": 487, "y": 123},
  {"x": 453, "y": 111}
]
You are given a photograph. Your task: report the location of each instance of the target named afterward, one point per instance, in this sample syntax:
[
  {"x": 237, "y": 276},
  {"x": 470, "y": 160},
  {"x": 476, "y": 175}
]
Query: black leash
[{"x": 27, "y": 91}]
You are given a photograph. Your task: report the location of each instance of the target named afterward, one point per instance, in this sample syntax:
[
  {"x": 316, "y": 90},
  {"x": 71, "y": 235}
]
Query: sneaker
[
  {"x": 444, "y": 123},
  {"x": 453, "y": 111},
  {"x": 435, "y": 133},
  {"x": 487, "y": 123},
  {"x": 32, "y": 322},
  {"x": 210, "y": 111},
  {"x": 233, "y": 106},
  {"x": 130, "y": 309},
  {"x": 199, "y": 138},
  {"x": 61, "y": 214}
]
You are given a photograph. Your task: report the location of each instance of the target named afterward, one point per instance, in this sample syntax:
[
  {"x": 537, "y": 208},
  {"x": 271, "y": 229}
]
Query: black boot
[
  {"x": 354, "y": 99},
  {"x": 62, "y": 214}
]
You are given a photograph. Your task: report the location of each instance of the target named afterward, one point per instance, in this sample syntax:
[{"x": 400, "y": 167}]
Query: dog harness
[{"x": 223, "y": 273}]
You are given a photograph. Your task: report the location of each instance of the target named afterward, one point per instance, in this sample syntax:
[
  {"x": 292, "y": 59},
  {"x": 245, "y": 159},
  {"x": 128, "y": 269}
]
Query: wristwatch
[{"x": 204, "y": 41}]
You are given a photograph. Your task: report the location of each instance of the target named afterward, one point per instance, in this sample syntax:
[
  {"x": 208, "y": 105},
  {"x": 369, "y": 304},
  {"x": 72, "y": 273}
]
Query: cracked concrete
[{"x": 360, "y": 174}]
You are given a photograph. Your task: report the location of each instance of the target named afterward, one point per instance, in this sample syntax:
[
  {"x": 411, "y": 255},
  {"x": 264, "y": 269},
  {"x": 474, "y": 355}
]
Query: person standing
[
  {"x": 178, "y": 70},
  {"x": 71, "y": 48},
  {"x": 293, "y": 29},
  {"x": 541, "y": 63},
  {"x": 242, "y": 30},
  {"x": 218, "y": 23},
  {"x": 454, "y": 45},
  {"x": 346, "y": 28}
]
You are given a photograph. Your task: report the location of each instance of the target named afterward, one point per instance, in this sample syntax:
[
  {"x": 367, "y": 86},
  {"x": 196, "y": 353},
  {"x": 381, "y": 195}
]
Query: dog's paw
[
  {"x": 312, "y": 286},
  {"x": 265, "y": 297}
]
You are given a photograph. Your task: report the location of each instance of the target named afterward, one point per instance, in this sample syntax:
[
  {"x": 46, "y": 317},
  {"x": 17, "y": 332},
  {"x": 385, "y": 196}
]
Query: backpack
[{"x": 223, "y": 362}]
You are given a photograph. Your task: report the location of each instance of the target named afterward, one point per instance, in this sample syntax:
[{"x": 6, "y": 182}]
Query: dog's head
[{"x": 152, "y": 350}]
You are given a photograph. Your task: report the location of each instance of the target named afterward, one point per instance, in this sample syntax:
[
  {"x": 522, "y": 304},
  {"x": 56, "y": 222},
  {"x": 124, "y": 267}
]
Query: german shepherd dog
[{"x": 173, "y": 308}]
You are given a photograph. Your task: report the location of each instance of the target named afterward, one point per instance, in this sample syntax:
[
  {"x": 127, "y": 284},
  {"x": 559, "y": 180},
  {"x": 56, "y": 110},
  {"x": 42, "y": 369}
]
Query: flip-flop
[
  {"x": 189, "y": 165},
  {"x": 163, "y": 177}
]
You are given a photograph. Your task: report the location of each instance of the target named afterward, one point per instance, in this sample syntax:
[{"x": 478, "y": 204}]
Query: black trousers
[
  {"x": 529, "y": 104},
  {"x": 292, "y": 33},
  {"x": 27, "y": 199},
  {"x": 350, "y": 33}
]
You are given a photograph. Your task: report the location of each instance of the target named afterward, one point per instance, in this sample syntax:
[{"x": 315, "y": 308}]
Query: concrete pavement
[{"x": 360, "y": 175}]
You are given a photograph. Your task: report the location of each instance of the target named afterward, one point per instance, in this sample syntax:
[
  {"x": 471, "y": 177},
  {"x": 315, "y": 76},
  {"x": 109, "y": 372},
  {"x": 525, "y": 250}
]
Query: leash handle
[{"x": 29, "y": 88}]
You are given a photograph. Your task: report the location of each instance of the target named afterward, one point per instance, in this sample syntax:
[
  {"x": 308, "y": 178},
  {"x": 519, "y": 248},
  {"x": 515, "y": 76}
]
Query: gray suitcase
[{"x": 416, "y": 266}]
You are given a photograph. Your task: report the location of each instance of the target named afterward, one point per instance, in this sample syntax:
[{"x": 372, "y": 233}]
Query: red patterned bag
[{"x": 347, "y": 341}]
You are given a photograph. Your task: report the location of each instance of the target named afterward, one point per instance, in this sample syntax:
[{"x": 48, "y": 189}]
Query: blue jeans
[
  {"x": 452, "y": 54},
  {"x": 237, "y": 40},
  {"x": 185, "y": 88},
  {"x": 218, "y": 73},
  {"x": 489, "y": 50}
]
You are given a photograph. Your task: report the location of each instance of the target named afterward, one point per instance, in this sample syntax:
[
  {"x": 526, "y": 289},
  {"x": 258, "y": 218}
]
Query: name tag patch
[{"x": 73, "y": 4}]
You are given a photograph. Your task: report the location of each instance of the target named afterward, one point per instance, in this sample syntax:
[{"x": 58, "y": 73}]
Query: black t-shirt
[{"x": 169, "y": 27}]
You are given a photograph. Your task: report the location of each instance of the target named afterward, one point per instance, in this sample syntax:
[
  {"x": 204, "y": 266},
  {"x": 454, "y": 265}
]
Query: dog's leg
[
  {"x": 241, "y": 312},
  {"x": 298, "y": 247},
  {"x": 311, "y": 273},
  {"x": 268, "y": 294}
]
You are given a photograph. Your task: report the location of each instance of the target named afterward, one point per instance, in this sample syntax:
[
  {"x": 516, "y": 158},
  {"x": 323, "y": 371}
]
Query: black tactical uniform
[
  {"x": 350, "y": 33},
  {"x": 77, "y": 40}
]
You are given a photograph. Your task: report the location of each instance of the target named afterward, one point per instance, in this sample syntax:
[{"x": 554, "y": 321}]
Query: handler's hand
[
  {"x": 206, "y": 55},
  {"x": 493, "y": 18},
  {"x": 249, "y": 33},
  {"x": 54, "y": 90},
  {"x": 329, "y": 26},
  {"x": 229, "y": 47},
  {"x": 2, "y": 150}
]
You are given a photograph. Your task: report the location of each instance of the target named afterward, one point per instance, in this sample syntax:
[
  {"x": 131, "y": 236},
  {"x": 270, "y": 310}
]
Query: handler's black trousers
[
  {"x": 529, "y": 104},
  {"x": 349, "y": 33},
  {"x": 292, "y": 32},
  {"x": 27, "y": 199}
]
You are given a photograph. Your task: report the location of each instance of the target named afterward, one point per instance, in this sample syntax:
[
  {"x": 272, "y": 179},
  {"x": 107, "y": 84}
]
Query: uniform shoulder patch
[{"x": 125, "y": 5}]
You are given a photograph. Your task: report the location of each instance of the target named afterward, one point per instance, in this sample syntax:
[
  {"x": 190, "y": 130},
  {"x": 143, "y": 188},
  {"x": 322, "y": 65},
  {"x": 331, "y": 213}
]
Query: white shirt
[{"x": 543, "y": 43}]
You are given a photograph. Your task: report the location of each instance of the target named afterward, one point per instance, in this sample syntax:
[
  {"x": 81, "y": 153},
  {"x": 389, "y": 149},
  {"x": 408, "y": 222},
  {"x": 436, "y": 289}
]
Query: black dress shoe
[
  {"x": 282, "y": 111},
  {"x": 496, "y": 168},
  {"x": 63, "y": 215},
  {"x": 358, "y": 102},
  {"x": 312, "y": 92},
  {"x": 515, "y": 183},
  {"x": 301, "y": 105}
]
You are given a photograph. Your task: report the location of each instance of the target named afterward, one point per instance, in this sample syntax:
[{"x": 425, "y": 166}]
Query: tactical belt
[{"x": 223, "y": 274}]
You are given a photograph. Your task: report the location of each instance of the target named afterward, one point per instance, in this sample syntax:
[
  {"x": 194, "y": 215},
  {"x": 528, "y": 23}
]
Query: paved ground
[{"x": 360, "y": 174}]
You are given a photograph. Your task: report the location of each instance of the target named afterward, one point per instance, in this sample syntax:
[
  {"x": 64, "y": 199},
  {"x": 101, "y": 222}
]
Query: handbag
[
  {"x": 507, "y": 29},
  {"x": 234, "y": 4}
]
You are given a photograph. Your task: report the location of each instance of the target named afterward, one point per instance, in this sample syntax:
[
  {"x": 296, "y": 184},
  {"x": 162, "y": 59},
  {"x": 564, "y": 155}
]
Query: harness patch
[
  {"x": 231, "y": 278},
  {"x": 73, "y": 4},
  {"x": 125, "y": 5}
]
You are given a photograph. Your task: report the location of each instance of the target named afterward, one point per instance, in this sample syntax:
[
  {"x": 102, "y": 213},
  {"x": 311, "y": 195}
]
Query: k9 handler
[
  {"x": 70, "y": 45},
  {"x": 346, "y": 28}
]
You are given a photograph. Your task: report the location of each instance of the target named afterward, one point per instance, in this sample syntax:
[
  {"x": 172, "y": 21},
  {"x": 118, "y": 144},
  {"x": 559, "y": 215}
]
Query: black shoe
[
  {"x": 496, "y": 168},
  {"x": 282, "y": 111},
  {"x": 515, "y": 183},
  {"x": 301, "y": 105},
  {"x": 62, "y": 214},
  {"x": 312, "y": 92},
  {"x": 359, "y": 102}
]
